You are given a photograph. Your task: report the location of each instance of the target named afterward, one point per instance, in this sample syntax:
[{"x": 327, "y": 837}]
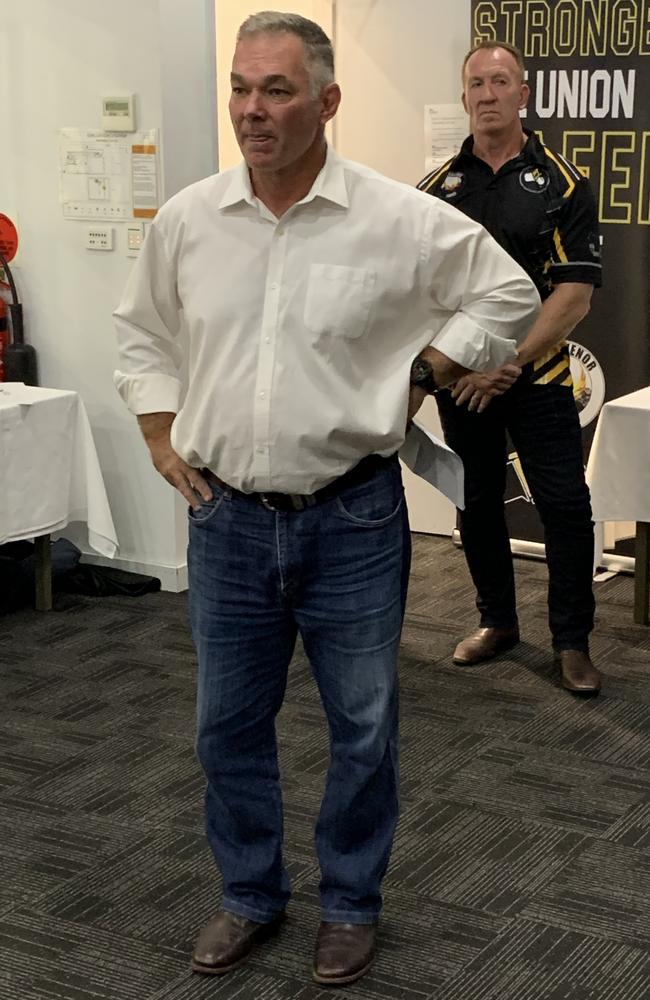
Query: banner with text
[{"x": 588, "y": 68}]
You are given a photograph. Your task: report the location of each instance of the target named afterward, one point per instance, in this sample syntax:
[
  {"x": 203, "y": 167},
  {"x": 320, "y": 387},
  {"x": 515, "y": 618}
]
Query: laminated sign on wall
[{"x": 108, "y": 175}]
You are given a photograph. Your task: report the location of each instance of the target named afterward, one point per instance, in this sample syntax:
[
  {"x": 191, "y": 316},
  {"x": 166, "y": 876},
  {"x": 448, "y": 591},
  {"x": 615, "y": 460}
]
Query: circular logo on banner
[
  {"x": 588, "y": 382},
  {"x": 534, "y": 179},
  {"x": 8, "y": 238}
]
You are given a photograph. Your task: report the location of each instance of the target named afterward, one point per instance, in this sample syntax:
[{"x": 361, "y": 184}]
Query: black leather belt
[{"x": 359, "y": 474}]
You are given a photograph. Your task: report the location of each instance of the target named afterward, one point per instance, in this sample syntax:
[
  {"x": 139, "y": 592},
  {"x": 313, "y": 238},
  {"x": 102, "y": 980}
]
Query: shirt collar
[
  {"x": 330, "y": 185},
  {"x": 532, "y": 152}
]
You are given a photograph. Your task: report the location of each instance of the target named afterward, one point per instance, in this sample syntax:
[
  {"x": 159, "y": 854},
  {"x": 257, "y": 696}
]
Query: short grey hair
[{"x": 319, "y": 54}]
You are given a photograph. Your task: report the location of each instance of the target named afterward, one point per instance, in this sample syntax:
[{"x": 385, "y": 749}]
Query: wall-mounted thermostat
[{"x": 118, "y": 113}]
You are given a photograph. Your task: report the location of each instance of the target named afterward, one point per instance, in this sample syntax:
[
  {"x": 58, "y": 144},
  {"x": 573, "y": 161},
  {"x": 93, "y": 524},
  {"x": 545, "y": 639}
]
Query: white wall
[
  {"x": 56, "y": 61},
  {"x": 392, "y": 59}
]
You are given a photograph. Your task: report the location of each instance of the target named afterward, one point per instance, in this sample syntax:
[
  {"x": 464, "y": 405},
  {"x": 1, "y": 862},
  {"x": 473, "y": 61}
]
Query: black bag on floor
[{"x": 105, "y": 581}]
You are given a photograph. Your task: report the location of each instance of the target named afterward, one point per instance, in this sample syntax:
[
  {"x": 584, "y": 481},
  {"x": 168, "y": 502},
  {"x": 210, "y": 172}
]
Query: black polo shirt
[{"x": 541, "y": 209}]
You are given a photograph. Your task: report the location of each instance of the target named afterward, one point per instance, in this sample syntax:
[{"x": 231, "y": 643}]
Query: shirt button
[
  {"x": 274, "y": 287},
  {"x": 262, "y": 395}
]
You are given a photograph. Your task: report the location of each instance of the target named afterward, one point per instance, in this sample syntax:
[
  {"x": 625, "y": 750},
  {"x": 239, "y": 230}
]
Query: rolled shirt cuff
[
  {"x": 149, "y": 392},
  {"x": 468, "y": 345}
]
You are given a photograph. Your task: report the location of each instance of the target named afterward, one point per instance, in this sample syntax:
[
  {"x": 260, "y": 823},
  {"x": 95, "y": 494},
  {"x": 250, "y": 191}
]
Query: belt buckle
[
  {"x": 294, "y": 501},
  {"x": 264, "y": 500}
]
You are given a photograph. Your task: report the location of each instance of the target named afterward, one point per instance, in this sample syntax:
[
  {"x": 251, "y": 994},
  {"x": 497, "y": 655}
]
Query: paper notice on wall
[
  {"x": 144, "y": 180},
  {"x": 99, "y": 174},
  {"x": 445, "y": 128}
]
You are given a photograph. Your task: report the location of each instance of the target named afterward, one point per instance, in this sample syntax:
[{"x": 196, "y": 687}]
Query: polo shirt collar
[{"x": 532, "y": 152}]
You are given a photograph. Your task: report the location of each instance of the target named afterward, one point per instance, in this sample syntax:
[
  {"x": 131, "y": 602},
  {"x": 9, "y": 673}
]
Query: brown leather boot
[
  {"x": 227, "y": 941},
  {"x": 344, "y": 952},
  {"x": 485, "y": 644},
  {"x": 578, "y": 672}
]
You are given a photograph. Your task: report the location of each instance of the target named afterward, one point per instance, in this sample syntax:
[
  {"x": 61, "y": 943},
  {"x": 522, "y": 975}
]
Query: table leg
[
  {"x": 642, "y": 573},
  {"x": 43, "y": 568}
]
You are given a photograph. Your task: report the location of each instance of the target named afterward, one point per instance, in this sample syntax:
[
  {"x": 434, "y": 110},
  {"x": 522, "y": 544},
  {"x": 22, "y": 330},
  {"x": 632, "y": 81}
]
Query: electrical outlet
[
  {"x": 99, "y": 238},
  {"x": 134, "y": 238}
]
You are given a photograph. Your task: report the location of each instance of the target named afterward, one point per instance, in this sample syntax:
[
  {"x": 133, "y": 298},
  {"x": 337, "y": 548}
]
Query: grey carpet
[{"x": 521, "y": 870}]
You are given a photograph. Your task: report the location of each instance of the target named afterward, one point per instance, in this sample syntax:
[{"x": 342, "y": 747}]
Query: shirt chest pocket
[{"x": 339, "y": 300}]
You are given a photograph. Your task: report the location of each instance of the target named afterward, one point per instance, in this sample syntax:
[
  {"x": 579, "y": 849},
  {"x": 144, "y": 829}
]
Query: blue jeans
[
  {"x": 545, "y": 429},
  {"x": 337, "y": 574}
]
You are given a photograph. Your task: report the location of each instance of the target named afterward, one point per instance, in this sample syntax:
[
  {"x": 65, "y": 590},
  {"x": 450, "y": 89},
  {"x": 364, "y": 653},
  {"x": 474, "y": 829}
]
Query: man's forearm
[
  {"x": 155, "y": 426},
  {"x": 559, "y": 316}
]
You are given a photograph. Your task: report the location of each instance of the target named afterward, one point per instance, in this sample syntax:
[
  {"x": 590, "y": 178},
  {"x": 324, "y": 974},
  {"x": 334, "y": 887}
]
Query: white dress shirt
[{"x": 298, "y": 333}]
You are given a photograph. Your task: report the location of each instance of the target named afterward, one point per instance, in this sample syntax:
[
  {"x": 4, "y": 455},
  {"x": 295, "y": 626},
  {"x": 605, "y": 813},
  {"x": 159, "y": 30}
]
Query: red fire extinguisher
[{"x": 19, "y": 358}]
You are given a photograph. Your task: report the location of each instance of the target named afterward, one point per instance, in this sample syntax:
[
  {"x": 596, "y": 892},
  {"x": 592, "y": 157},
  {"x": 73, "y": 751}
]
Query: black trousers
[{"x": 543, "y": 423}]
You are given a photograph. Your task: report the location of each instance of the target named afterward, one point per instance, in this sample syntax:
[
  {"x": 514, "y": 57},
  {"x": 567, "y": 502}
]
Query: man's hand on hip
[
  {"x": 477, "y": 389},
  {"x": 156, "y": 430}
]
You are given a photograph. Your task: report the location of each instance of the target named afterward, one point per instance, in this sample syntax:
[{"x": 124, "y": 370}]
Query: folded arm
[{"x": 561, "y": 312}]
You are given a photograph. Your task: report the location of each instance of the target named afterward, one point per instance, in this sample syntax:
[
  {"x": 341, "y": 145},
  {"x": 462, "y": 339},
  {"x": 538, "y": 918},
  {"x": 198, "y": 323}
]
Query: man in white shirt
[{"x": 300, "y": 288}]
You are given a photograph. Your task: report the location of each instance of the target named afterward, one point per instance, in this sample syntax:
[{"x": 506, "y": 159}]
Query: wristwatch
[{"x": 422, "y": 376}]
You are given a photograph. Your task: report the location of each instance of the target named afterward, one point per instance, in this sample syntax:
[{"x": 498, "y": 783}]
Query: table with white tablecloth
[
  {"x": 618, "y": 473},
  {"x": 49, "y": 474}
]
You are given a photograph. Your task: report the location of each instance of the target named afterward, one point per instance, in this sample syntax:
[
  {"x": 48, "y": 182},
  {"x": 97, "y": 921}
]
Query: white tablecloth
[
  {"x": 618, "y": 470},
  {"x": 49, "y": 471}
]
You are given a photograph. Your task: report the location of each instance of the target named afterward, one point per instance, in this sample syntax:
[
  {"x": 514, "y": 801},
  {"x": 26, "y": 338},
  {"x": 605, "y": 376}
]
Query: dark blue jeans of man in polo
[
  {"x": 545, "y": 429},
  {"x": 335, "y": 573}
]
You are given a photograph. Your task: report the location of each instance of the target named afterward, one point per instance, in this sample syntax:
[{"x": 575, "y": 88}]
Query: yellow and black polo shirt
[{"x": 541, "y": 209}]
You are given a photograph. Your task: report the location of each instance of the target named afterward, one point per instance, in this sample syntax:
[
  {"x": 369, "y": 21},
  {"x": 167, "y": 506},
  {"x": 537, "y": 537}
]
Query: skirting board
[
  {"x": 172, "y": 578},
  {"x": 537, "y": 550}
]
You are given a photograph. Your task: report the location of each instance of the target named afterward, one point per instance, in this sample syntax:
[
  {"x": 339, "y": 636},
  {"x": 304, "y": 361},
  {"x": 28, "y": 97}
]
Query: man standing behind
[
  {"x": 300, "y": 287},
  {"x": 540, "y": 208}
]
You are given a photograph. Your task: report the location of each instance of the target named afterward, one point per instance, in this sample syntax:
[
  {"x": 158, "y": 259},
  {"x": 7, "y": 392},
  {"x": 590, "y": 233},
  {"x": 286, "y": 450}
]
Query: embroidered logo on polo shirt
[
  {"x": 534, "y": 179},
  {"x": 451, "y": 183}
]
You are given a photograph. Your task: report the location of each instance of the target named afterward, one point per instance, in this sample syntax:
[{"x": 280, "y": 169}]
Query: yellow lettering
[
  {"x": 624, "y": 27},
  {"x": 511, "y": 11},
  {"x": 594, "y": 28},
  {"x": 565, "y": 27},
  {"x": 644, "y": 39},
  {"x": 538, "y": 22},
  {"x": 644, "y": 193},
  {"x": 615, "y": 146},
  {"x": 485, "y": 17}
]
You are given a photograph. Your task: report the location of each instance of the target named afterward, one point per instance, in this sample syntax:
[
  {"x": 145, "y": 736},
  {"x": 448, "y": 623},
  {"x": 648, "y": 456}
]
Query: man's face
[
  {"x": 493, "y": 91},
  {"x": 274, "y": 114}
]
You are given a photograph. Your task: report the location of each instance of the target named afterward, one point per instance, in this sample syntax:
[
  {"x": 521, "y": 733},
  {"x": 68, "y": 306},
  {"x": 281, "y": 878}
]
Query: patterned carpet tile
[
  {"x": 613, "y": 732},
  {"x": 43, "y": 849},
  {"x": 56, "y": 959},
  {"x": 604, "y": 891},
  {"x": 554, "y": 788},
  {"x": 531, "y": 961},
  {"x": 470, "y": 857}
]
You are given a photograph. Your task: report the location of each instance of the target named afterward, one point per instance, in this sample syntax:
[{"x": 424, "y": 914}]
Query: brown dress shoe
[
  {"x": 344, "y": 952},
  {"x": 227, "y": 941},
  {"x": 485, "y": 644},
  {"x": 578, "y": 672}
]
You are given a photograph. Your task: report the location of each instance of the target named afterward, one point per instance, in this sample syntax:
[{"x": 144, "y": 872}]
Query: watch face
[
  {"x": 420, "y": 371},
  {"x": 422, "y": 375}
]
